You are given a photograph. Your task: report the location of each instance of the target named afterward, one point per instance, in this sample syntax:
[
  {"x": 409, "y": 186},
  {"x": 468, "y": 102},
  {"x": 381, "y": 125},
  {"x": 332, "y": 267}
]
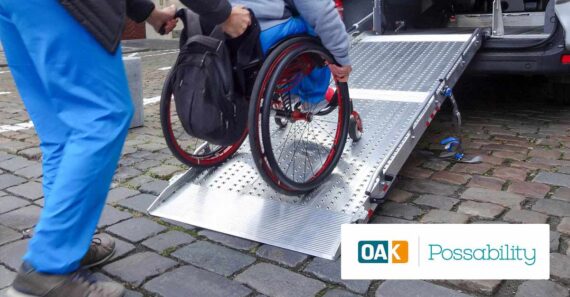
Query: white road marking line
[
  {"x": 165, "y": 68},
  {"x": 5, "y": 93},
  {"x": 29, "y": 125},
  {"x": 152, "y": 100},
  {"x": 2, "y": 72}
]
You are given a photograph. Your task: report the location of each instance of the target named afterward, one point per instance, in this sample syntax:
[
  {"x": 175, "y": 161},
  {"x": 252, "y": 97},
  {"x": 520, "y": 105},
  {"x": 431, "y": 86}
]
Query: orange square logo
[{"x": 399, "y": 252}]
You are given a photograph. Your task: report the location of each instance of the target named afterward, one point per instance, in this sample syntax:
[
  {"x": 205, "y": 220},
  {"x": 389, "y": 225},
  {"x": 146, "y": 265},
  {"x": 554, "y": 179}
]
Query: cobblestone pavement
[{"x": 525, "y": 178}]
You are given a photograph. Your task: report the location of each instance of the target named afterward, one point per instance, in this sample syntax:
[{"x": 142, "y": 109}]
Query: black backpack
[{"x": 203, "y": 85}]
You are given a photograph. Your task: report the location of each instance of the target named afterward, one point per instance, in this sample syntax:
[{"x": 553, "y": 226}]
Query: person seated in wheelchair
[{"x": 282, "y": 18}]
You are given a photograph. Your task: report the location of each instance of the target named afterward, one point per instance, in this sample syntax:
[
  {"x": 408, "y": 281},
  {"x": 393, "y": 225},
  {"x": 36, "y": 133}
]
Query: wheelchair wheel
[
  {"x": 297, "y": 157},
  {"x": 189, "y": 150}
]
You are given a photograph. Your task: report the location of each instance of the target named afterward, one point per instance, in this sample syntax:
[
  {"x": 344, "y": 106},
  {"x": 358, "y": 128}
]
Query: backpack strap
[{"x": 191, "y": 22}]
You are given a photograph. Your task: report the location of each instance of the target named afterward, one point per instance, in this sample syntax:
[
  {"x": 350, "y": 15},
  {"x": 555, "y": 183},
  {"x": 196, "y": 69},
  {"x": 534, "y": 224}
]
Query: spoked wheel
[
  {"x": 189, "y": 150},
  {"x": 297, "y": 157}
]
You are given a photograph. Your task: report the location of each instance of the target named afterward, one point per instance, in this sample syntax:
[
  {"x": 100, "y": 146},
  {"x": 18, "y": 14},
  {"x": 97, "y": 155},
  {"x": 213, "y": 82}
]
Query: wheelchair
[{"x": 295, "y": 144}]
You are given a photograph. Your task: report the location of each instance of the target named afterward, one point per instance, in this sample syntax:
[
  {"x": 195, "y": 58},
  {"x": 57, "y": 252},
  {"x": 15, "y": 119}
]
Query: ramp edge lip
[{"x": 418, "y": 38}]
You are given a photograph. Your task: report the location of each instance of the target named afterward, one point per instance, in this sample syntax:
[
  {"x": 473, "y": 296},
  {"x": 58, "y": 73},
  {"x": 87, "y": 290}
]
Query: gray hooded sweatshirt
[{"x": 321, "y": 15}]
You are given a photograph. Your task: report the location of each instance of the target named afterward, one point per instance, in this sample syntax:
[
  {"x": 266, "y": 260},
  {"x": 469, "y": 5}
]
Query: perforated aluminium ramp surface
[{"x": 394, "y": 78}]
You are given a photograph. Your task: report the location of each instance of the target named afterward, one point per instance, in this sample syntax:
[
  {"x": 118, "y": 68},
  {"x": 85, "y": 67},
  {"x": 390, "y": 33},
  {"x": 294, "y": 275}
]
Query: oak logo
[{"x": 383, "y": 252}]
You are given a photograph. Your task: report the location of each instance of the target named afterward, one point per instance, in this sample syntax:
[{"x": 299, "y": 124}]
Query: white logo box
[{"x": 423, "y": 241}]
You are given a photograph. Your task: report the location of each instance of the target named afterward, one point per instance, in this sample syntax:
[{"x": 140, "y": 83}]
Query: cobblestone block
[
  {"x": 505, "y": 148},
  {"x": 147, "y": 164},
  {"x": 562, "y": 194},
  {"x": 164, "y": 172},
  {"x": 438, "y": 216},
  {"x": 33, "y": 153},
  {"x": 429, "y": 187},
  {"x": 15, "y": 163},
  {"x": 510, "y": 173},
  {"x": 529, "y": 189},
  {"x": 279, "y": 282},
  {"x": 544, "y": 153},
  {"x": 191, "y": 281},
  {"x": 30, "y": 190},
  {"x": 483, "y": 210},
  {"x": 214, "y": 258},
  {"x": 179, "y": 224},
  {"x": 451, "y": 178},
  {"x": 8, "y": 235},
  {"x": 553, "y": 207},
  {"x": 339, "y": 293},
  {"x": 400, "y": 288},
  {"x": 555, "y": 179},
  {"x": 228, "y": 240},
  {"x": 549, "y": 162},
  {"x": 509, "y": 155},
  {"x": 6, "y": 277},
  {"x": 485, "y": 287},
  {"x": 125, "y": 173},
  {"x": 139, "y": 203},
  {"x": 282, "y": 256},
  {"x": 139, "y": 181},
  {"x": 155, "y": 187},
  {"x": 471, "y": 168},
  {"x": 167, "y": 240},
  {"x": 416, "y": 173},
  {"x": 540, "y": 288},
  {"x": 120, "y": 193},
  {"x": 14, "y": 146},
  {"x": 530, "y": 166},
  {"x": 136, "y": 229},
  {"x": 137, "y": 268},
  {"x": 111, "y": 216},
  {"x": 564, "y": 226},
  {"x": 9, "y": 203},
  {"x": 560, "y": 267},
  {"x": 399, "y": 196},
  {"x": 329, "y": 271},
  {"x": 501, "y": 198},
  {"x": 121, "y": 248},
  {"x": 485, "y": 182},
  {"x": 525, "y": 217},
  {"x": 22, "y": 218},
  {"x": 34, "y": 171},
  {"x": 12, "y": 253},
  {"x": 436, "y": 165},
  {"x": 493, "y": 160},
  {"x": 404, "y": 211},
  {"x": 435, "y": 201},
  {"x": 9, "y": 180}
]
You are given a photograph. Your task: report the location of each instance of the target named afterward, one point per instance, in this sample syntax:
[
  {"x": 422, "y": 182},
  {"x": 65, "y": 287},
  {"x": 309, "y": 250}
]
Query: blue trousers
[
  {"x": 314, "y": 86},
  {"x": 77, "y": 96}
]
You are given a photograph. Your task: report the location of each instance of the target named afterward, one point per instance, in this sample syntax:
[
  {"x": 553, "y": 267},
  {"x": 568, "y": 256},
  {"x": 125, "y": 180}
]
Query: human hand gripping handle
[
  {"x": 163, "y": 20},
  {"x": 238, "y": 21},
  {"x": 340, "y": 73}
]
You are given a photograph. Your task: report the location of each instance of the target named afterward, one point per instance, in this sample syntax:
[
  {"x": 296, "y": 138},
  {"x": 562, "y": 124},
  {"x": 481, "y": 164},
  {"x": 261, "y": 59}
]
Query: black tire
[
  {"x": 260, "y": 137},
  {"x": 353, "y": 130},
  {"x": 191, "y": 151}
]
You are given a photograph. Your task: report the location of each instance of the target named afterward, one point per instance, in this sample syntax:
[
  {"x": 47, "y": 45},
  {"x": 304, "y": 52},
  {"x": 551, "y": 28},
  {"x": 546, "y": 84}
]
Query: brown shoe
[
  {"x": 30, "y": 283},
  {"x": 101, "y": 250}
]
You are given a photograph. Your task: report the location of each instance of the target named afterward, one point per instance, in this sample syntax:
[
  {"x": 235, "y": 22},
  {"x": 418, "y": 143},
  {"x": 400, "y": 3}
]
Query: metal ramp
[{"x": 397, "y": 86}]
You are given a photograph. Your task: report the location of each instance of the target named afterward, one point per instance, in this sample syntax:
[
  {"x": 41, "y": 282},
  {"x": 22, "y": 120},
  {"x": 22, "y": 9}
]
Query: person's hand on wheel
[
  {"x": 163, "y": 20},
  {"x": 238, "y": 21},
  {"x": 340, "y": 73}
]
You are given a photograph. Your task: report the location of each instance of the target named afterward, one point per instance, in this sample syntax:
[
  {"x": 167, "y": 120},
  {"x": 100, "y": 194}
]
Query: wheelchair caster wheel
[
  {"x": 281, "y": 122},
  {"x": 355, "y": 128}
]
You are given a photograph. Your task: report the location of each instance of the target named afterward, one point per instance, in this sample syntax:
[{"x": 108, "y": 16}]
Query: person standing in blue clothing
[
  {"x": 66, "y": 60},
  {"x": 281, "y": 18}
]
